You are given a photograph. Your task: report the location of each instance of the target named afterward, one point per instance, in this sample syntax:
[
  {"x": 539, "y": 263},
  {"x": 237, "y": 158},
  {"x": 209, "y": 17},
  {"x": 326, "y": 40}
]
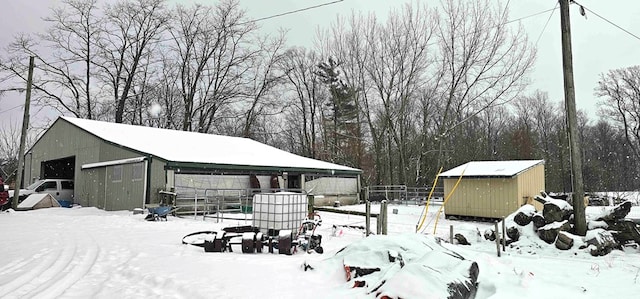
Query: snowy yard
[{"x": 89, "y": 253}]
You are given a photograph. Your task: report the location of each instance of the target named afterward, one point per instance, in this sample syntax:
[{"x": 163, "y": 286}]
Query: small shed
[
  {"x": 38, "y": 201},
  {"x": 492, "y": 189}
]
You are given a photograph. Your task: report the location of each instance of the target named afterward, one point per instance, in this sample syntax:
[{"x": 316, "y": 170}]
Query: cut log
[
  {"x": 600, "y": 241},
  {"x": 564, "y": 241},
  {"x": 461, "y": 239},
  {"x": 549, "y": 232},
  {"x": 618, "y": 212},
  {"x": 513, "y": 233},
  {"x": 538, "y": 220},
  {"x": 624, "y": 231},
  {"x": 522, "y": 219},
  {"x": 489, "y": 234},
  {"x": 556, "y": 210}
]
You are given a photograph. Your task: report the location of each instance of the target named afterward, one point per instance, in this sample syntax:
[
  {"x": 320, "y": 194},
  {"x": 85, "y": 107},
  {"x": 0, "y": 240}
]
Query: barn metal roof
[
  {"x": 491, "y": 168},
  {"x": 181, "y": 148}
]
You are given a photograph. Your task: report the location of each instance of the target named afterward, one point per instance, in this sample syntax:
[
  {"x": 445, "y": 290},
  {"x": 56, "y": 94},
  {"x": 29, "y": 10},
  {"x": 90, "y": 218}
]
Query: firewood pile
[{"x": 555, "y": 225}]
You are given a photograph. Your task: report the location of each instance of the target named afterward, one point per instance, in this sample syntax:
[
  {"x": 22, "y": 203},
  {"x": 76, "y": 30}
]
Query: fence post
[
  {"x": 195, "y": 204},
  {"x": 497, "y": 233},
  {"x": 383, "y": 212},
  {"x": 451, "y": 234},
  {"x": 504, "y": 235},
  {"x": 367, "y": 222},
  {"x": 310, "y": 205}
]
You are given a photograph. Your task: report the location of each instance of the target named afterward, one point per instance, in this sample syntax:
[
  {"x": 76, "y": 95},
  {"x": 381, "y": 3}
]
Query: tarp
[{"x": 38, "y": 201}]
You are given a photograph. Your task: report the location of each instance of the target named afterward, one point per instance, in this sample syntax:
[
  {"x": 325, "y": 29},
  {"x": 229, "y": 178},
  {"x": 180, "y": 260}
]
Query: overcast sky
[{"x": 597, "y": 45}]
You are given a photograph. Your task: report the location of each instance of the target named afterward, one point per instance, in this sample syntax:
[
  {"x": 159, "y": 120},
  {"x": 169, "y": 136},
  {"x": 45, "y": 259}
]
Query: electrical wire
[
  {"x": 547, "y": 23},
  {"x": 529, "y": 16},
  {"x": 291, "y": 12},
  {"x": 4, "y": 111},
  {"x": 606, "y": 20}
]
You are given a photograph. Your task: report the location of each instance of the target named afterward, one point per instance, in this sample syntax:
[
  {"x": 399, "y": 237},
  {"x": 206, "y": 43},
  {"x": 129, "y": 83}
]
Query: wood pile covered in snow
[{"x": 555, "y": 225}]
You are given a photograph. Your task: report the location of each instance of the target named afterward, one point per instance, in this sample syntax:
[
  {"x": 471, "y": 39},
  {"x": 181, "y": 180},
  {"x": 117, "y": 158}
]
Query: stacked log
[{"x": 554, "y": 226}]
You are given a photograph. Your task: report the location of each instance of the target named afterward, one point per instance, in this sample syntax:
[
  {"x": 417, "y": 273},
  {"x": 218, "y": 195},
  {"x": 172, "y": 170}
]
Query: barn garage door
[{"x": 117, "y": 185}]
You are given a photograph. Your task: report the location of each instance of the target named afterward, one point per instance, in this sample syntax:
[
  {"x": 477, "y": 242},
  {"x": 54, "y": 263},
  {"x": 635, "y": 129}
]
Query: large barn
[
  {"x": 492, "y": 189},
  {"x": 122, "y": 167}
]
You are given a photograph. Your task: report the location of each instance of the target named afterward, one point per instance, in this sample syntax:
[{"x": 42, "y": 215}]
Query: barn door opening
[{"x": 58, "y": 169}]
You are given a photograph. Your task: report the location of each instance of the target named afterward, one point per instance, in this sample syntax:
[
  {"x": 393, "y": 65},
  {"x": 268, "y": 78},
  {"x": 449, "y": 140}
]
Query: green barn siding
[
  {"x": 125, "y": 193},
  {"x": 158, "y": 179},
  {"x": 64, "y": 140},
  {"x": 93, "y": 188},
  {"x": 61, "y": 141}
]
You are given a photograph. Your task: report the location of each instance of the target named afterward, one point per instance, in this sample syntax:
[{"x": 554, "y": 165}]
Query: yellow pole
[
  {"x": 426, "y": 207},
  {"x": 447, "y": 199}
]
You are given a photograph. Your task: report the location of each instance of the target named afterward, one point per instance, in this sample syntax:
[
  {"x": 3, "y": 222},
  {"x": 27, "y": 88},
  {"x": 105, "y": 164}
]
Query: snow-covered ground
[{"x": 89, "y": 253}]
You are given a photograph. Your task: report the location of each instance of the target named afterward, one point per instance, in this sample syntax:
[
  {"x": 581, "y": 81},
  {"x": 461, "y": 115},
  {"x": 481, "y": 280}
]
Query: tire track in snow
[
  {"x": 34, "y": 267},
  {"x": 75, "y": 266}
]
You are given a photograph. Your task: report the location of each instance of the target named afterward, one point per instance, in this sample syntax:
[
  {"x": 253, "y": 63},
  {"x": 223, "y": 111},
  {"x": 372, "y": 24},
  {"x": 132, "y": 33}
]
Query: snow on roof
[
  {"x": 192, "y": 147},
  {"x": 491, "y": 168}
]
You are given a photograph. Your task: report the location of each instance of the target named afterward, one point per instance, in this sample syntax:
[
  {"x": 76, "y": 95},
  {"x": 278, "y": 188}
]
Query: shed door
[
  {"x": 124, "y": 187},
  {"x": 92, "y": 188}
]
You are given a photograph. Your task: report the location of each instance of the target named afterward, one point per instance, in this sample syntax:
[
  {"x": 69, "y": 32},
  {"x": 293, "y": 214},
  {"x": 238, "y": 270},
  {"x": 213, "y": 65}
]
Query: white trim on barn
[{"x": 113, "y": 163}]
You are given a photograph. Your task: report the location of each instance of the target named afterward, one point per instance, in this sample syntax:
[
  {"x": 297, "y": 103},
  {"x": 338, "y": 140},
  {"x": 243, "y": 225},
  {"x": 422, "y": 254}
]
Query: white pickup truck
[{"x": 60, "y": 189}]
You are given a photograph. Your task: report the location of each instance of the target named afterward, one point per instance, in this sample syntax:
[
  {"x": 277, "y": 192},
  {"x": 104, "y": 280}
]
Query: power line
[
  {"x": 605, "y": 19},
  {"x": 508, "y": 22},
  {"x": 160, "y": 40},
  {"x": 4, "y": 111},
  {"x": 547, "y": 23},
  {"x": 529, "y": 16},
  {"x": 290, "y": 12}
]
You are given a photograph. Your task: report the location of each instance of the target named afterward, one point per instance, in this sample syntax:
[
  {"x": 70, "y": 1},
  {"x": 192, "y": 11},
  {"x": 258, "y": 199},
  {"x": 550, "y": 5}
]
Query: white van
[{"x": 60, "y": 189}]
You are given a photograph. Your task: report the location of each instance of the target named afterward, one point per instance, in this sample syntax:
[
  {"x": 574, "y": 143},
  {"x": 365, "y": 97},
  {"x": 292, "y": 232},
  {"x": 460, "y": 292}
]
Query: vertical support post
[
  {"x": 497, "y": 233},
  {"x": 572, "y": 122},
  {"x": 451, "y": 234},
  {"x": 195, "y": 203},
  {"x": 367, "y": 218},
  {"x": 383, "y": 213},
  {"x": 23, "y": 135},
  {"x": 504, "y": 235},
  {"x": 310, "y": 205}
]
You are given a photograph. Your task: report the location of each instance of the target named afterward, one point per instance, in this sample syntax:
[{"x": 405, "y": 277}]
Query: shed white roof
[
  {"x": 192, "y": 147},
  {"x": 491, "y": 168}
]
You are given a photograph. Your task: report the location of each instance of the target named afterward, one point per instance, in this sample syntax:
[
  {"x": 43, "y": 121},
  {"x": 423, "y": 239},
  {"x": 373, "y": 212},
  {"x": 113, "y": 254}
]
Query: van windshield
[{"x": 34, "y": 185}]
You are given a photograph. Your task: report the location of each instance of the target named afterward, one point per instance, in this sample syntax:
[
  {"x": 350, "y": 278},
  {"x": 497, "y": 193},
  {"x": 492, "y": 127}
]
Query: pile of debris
[
  {"x": 403, "y": 266},
  {"x": 555, "y": 225}
]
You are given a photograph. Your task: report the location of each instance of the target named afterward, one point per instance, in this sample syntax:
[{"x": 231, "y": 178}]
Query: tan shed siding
[
  {"x": 530, "y": 183},
  {"x": 493, "y": 197},
  {"x": 504, "y": 194},
  {"x": 481, "y": 197}
]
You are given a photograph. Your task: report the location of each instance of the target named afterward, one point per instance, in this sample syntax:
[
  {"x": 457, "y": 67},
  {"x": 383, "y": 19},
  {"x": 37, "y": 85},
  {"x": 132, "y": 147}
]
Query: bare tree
[
  {"x": 214, "y": 52},
  {"x": 397, "y": 66},
  {"x": 130, "y": 32},
  {"x": 264, "y": 76},
  {"x": 483, "y": 62},
  {"x": 306, "y": 98},
  {"x": 64, "y": 56},
  {"x": 620, "y": 90}
]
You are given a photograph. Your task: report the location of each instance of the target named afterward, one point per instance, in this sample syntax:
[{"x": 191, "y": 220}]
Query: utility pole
[
  {"x": 23, "y": 136},
  {"x": 572, "y": 122}
]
